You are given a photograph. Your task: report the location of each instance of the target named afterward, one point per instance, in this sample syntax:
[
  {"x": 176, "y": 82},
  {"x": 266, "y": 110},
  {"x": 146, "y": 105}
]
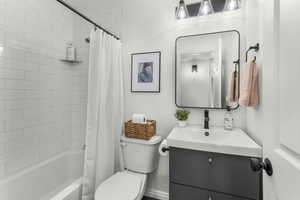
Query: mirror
[{"x": 205, "y": 65}]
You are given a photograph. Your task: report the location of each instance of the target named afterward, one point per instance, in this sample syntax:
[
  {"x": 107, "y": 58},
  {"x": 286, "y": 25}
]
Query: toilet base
[{"x": 135, "y": 183}]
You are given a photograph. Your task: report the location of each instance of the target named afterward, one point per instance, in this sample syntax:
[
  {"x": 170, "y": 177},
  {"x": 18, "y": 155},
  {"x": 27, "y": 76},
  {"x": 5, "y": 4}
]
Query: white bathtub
[
  {"x": 58, "y": 178},
  {"x": 71, "y": 191}
]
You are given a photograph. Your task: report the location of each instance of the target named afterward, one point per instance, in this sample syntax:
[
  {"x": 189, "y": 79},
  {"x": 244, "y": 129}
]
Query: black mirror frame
[{"x": 239, "y": 63}]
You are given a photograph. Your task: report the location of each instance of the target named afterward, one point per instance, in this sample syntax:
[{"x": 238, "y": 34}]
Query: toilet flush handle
[{"x": 165, "y": 149}]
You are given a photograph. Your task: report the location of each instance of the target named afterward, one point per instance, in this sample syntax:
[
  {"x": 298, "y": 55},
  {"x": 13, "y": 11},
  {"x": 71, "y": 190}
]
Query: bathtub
[{"x": 58, "y": 178}]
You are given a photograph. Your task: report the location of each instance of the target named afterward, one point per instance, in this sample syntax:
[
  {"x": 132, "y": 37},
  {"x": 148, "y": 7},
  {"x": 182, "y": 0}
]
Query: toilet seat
[{"x": 121, "y": 186}]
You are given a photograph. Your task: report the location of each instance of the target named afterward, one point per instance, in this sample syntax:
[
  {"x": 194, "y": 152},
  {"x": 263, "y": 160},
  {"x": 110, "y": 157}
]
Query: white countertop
[{"x": 235, "y": 142}]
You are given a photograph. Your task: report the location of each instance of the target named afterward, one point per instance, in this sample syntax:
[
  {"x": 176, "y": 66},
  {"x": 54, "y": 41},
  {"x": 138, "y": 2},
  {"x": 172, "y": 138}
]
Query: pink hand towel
[
  {"x": 249, "y": 85},
  {"x": 232, "y": 96}
]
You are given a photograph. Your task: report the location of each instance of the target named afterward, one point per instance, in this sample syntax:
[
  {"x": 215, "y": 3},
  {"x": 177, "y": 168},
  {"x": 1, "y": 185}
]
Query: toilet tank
[{"x": 140, "y": 155}]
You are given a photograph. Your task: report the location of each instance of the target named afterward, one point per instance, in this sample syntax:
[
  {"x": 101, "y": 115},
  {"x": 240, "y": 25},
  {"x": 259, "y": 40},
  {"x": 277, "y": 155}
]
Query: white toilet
[{"x": 140, "y": 159}]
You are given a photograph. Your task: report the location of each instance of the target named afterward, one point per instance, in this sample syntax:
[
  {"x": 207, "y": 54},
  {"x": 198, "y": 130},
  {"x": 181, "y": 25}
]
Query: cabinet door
[
  {"x": 213, "y": 171},
  {"x": 190, "y": 167},
  {"x": 233, "y": 175},
  {"x": 220, "y": 196},
  {"x": 181, "y": 192}
]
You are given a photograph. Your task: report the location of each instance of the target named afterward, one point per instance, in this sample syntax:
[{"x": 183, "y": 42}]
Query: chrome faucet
[{"x": 206, "y": 119}]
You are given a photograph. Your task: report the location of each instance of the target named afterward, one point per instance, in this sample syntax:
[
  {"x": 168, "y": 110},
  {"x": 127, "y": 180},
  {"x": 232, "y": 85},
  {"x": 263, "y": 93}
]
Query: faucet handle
[{"x": 206, "y": 113}]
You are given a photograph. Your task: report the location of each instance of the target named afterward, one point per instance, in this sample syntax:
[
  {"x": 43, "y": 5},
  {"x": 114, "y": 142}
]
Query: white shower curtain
[{"x": 105, "y": 112}]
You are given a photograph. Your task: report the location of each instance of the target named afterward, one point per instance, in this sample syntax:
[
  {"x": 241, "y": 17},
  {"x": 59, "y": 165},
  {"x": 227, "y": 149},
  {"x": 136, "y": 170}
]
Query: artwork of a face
[{"x": 145, "y": 74}]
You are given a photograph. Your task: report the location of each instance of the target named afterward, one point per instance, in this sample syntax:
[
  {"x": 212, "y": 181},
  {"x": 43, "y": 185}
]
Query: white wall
[
  {"x": 151, "y": 26},
  {"x": 37, "y": 100},
  {"x": 254, "y": 35},
  {"x": 107, "y": 13}
]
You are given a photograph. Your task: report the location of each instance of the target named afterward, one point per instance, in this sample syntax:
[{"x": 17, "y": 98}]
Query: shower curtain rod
[{"x": 86, "y": 18}]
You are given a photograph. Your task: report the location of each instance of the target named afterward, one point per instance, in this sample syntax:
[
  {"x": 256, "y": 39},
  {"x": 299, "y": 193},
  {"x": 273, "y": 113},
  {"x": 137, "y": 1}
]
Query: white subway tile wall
[
  {"x": 42, "y": 100},
  {"x": 80, "y": 82}
]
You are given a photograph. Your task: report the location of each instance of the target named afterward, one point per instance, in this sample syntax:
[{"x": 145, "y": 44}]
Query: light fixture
[
  {"x": 232, "y": 5},
  {"x": 182, "y": 11},
  {"x": 194, "y": 68},
  {"x": 205, "y": 8}
]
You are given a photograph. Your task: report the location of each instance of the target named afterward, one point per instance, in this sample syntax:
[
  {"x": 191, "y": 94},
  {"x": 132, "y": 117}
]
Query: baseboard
[{"x": 157, "y": 194}]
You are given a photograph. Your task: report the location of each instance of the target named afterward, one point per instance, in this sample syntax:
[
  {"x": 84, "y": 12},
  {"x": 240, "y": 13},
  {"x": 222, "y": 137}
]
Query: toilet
[{"x": 140, "y": 159}]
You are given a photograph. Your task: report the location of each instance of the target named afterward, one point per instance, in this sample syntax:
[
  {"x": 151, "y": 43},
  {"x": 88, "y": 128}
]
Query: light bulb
[
  {"x": 182, "y": 11},
  {"x": 232, "y": 5},
  {"x": 205, "y": 8},
  {"x": 1, "y": 50}
]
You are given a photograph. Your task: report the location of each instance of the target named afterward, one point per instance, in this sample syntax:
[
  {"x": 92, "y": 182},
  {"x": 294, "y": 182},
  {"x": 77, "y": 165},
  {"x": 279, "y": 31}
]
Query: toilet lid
[{"x": 120, "y": 186}]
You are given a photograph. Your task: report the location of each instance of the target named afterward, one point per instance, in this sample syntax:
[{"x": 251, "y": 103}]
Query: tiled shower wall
[
  {"x": 42, "y": 100},
  {"x": 80, "y": 82}
]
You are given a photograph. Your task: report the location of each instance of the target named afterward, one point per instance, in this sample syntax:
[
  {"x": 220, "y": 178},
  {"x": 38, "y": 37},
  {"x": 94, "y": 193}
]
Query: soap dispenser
[{"x": 228, "y": 119}]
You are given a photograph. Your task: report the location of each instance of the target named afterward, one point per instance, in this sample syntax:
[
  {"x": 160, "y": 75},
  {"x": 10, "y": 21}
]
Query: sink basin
[
  {"x": 194, "y": 133},
  {"x": 235, "y": 142}
]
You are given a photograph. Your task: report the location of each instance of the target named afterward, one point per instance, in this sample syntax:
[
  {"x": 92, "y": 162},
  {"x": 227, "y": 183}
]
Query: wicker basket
[{"x": 140, "y": 131}]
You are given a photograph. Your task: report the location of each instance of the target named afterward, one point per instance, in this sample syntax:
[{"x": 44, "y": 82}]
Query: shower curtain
[{"x": 105, "y": 112}]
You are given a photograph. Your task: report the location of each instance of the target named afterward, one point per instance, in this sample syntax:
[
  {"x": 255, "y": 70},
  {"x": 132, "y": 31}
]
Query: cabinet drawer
[
  {"x": 213, "y": 171},
  {"x": 181, "y": 192}
]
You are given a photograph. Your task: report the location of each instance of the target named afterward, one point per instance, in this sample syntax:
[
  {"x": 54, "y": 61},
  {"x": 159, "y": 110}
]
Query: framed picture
[{"x": 145, "y": 72}]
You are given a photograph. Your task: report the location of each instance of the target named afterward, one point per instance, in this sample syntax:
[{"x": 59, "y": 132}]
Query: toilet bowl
[
  {"x": 140, "y": 159},
  {"x": 124, "y": 185}
]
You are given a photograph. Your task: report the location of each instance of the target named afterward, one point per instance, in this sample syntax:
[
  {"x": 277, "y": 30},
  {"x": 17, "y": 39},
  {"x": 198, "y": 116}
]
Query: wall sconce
[
  {"x": 194, "y": 68},
  {"x": 205, "y": 7},
  {"x": 232, "y": 5},
  {"x": 181, "y": 10}
]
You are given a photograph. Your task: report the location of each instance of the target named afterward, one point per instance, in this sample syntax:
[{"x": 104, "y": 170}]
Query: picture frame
[{"x": 145, "y": 72}]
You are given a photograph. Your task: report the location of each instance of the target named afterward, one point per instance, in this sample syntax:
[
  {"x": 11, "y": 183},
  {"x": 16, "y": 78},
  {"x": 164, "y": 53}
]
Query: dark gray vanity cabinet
[
  {"x": 199, "y": 175},
  {"x": 182, "y": 192}
]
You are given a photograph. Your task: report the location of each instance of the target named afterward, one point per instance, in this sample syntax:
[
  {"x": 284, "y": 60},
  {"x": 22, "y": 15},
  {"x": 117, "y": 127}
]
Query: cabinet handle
[
  {"x": 210, "y": 160},
  {"x": 209, "y": 198}
]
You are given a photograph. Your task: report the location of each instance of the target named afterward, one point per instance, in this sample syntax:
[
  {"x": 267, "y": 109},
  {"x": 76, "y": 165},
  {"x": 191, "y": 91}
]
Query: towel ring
[{"x": 255, "y": 48}]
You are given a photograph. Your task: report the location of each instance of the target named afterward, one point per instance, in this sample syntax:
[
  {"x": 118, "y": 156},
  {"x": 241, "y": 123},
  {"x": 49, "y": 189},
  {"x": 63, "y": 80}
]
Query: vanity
[
  {"x": 210, "y": 163},
  {"x": 214, "y": 166}
]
